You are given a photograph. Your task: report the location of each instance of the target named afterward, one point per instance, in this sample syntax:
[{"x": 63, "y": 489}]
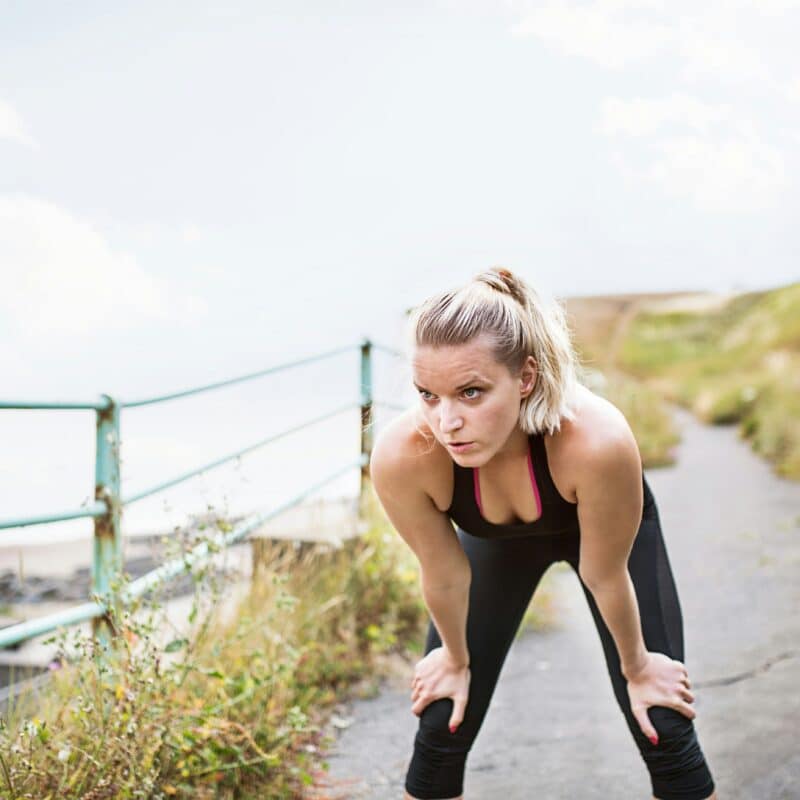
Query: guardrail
[{"x": 108, "y": 499}]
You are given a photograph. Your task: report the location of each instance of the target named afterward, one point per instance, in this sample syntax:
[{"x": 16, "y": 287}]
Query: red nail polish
[
  {"x": 653, "y": 740},
  {"x": 453, "y": 728}
]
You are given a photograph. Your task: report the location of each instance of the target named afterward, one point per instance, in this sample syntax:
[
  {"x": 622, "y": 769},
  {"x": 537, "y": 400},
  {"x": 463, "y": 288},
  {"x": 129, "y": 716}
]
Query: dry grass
[
  {"x": 235, "y": 709},
  {"x": 735, "y": 364},
  {"x": 731, "y": 359}
]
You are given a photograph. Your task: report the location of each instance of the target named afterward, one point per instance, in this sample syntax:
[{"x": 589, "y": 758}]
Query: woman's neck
[{"x": 515, "y": 448}]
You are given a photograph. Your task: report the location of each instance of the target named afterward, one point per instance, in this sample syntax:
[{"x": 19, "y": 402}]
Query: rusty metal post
[
  {"x": 366, "y": 420},
  {"x": 107, "y": 560}
]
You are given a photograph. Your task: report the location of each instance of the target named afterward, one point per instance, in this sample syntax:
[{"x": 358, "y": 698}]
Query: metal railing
[{"x": 108, "y": 499}]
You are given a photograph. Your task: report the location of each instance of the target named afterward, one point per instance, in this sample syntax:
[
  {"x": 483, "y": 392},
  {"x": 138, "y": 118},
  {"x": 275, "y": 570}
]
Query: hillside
[{"x": 730, "y": 359}]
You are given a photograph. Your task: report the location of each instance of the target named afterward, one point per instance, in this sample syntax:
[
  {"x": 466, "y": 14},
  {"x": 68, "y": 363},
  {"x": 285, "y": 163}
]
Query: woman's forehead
[{"x": 461, "y": 362}]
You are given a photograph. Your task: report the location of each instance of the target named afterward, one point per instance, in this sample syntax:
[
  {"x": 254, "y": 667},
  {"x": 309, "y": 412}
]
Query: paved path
[{"x": 554, "y": 730}]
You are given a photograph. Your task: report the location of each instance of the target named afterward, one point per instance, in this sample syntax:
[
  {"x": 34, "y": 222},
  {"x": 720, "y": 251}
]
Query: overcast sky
[
  {"x": 192, "y": 190},
  {"x": 197, "y": 186}
]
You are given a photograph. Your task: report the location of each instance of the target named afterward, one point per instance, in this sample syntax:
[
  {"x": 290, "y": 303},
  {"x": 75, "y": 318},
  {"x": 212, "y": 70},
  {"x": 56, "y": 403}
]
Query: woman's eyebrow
[{"x": 474, "y": 379}]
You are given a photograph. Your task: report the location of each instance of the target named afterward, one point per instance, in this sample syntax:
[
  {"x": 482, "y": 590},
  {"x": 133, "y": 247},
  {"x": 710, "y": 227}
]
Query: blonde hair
[{"x": 518, "y": 323}]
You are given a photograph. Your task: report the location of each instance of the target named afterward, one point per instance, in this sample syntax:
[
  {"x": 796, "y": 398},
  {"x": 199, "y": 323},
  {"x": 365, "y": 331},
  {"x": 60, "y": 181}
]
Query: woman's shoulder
[
  {"x": 599, "y": 426},
  {"x": 598, "y": 441},
  {"x": 406, "y": 450},
  {"x": 599, "y": 421}
]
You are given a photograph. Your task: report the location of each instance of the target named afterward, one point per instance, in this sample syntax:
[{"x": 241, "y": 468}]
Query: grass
[
  {"x": 236, "y": 707},
  {"x": 737, "y": 365},
  {"x": 233, "y": 710},
  {"x": 597, "y": 335},
  {"x": 648, "y": 415}
]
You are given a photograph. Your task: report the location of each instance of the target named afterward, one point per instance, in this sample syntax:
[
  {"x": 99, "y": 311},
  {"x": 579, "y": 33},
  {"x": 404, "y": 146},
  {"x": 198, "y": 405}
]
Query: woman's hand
[
  {"x": 662, "y": 681},
  {"x": 437, "y": 676}
]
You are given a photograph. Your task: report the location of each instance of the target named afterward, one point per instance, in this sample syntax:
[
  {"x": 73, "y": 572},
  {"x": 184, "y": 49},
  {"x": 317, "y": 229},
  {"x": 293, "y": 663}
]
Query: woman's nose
[{"x": 449, "y": 424}]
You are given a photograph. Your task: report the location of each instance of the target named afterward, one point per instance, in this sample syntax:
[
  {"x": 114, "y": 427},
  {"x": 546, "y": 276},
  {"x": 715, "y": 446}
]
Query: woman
[{"x": 533, "y": 468}]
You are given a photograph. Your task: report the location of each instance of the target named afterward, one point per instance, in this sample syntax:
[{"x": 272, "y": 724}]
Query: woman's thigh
[{"x": 505, "y": 574}]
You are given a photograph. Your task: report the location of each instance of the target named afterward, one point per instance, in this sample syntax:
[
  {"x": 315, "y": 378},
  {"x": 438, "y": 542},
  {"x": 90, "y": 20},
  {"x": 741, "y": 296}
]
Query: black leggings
[{"x": 505, "y": 573}]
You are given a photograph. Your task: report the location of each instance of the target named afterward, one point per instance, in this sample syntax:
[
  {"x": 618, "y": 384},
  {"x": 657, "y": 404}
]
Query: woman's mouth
[{"x": 460, "y": 447}]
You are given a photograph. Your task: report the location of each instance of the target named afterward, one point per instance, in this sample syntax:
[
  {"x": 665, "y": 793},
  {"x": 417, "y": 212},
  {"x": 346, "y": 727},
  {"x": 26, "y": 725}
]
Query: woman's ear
[{"x": 527, "y": 377}]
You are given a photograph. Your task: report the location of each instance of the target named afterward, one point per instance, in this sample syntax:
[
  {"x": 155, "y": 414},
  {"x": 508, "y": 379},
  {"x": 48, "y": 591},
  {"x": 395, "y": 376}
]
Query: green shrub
[{"x": 233, "y": 710}]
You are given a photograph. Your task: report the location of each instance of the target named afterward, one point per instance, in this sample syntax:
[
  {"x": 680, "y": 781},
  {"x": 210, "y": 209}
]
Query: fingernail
[
  {"x": 453, "y": 728},
  {"x": 653, "y": 739}
]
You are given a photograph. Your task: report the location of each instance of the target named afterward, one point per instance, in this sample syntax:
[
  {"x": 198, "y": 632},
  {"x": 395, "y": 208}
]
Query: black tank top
[{"x": 557, "y": 515}]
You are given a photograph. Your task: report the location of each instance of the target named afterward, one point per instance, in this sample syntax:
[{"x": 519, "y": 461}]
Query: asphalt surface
[{"x": 732, "y": 531}]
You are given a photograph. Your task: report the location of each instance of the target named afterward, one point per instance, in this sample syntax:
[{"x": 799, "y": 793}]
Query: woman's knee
[
  {"x": 437, "y": 765},
  {"x": 677, "y": 766}
]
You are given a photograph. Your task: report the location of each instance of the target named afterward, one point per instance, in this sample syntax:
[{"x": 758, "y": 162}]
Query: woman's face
[{"x": 468, "y": 397}]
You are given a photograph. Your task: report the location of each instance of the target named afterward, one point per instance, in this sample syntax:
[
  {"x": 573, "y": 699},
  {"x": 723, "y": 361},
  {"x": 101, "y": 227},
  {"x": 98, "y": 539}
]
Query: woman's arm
[
  {"x": 609, "y": 490},
  {"x": 448, "y": 609},
  {"x": 444, "y": 567}
]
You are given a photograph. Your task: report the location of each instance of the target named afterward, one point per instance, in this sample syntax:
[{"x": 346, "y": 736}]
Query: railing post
[
  {"x": 366, "y": 419},
  {"x": 107, "y": 560}
]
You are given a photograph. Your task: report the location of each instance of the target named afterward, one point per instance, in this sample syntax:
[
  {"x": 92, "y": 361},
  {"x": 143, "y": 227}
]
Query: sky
[{"x": 191, "y": 191}]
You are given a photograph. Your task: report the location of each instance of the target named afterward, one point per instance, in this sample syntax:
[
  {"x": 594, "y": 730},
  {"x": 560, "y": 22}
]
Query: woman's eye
[{"x": 477, "y": 392}]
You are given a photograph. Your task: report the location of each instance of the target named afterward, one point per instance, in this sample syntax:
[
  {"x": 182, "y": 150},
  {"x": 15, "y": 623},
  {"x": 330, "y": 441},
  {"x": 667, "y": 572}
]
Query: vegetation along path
[{"x": 732, "y": 529}]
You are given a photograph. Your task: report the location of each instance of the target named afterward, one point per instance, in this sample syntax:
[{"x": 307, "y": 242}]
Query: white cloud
[
  {"x": 740, "y": 173},
  {"x": 722, "y": 156},
  {"x": 191, "y": 234},
  {"x": 595, "y": 33},
  {"x": 793, "y": 90},
  {"x": 737, "y": 174},
  {"x": 696, "y": 151},
  {"x": 647, "y": 116},
  {"x": 61, "y": 277},
  {"x": 724, "y": 40},
  {"x": 211, "y": 270},
  {"x": 712, "y": 55},
  {"x": 12, "y": 126},
  {"x": 777, "y": 5}
]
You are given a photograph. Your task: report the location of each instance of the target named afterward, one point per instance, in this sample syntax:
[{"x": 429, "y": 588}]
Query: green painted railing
[{"x": 108, "y": 502}]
